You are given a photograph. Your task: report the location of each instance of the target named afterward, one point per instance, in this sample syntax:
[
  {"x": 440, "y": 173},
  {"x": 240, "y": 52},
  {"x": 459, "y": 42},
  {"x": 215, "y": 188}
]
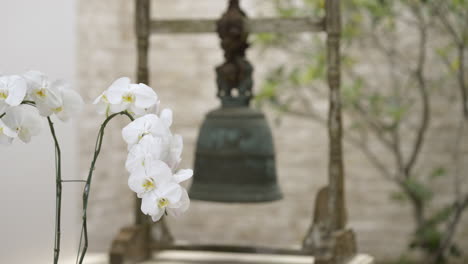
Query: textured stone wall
[{"x": 182, "y": 74}]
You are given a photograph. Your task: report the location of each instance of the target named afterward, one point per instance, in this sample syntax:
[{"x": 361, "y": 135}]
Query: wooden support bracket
[{"x": 130, "y": 244}]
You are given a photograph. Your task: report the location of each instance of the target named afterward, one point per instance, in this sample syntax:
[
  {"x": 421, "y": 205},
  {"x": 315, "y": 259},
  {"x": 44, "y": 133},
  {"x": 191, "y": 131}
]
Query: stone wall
[{"x": 182, "y": 73}]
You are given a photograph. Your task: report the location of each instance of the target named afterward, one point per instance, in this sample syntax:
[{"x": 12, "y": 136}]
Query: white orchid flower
[
  {"x": 165, "y": 198},
  {"x": 149, "y": 124},
  {"x": 12, "y": 91},
  {"x": 102, "y": 104},
  {"x": 24, "y": 121},
  {"x": 150, "y": 148},
  {"x": 141, "y": 155},
  {"x": 145, "y": 181},
  {"x": 138, "y": 99},
  {"x": 6, "y": 134},
  {"x": 40, "y": 91},
  {"x": 70, "y": 102},
  {"x": 180, "y": 207}
]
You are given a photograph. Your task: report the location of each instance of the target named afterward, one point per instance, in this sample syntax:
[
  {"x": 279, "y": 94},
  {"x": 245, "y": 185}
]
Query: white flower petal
[
  {"x": 100, "y": 98},
  {"x": 137, "y": 111},
  {"x": 35, "y": 79},
  {"x": 7, "y": 130},
  {"x": 131, "y": 133},
  {"x": 72, "y": 104},
  {"x": 149, "y": 205},
  {"x": 6, "y": 134},
  {"x": 24, "y": 120},
  {"x": 117, "y": 89},
  {"x": 166, "y": 116},
  {"x": 44, "y": 108},
  {"x": 148, "y": 124},
  {"x": 17, "y": 90},
  {"x": 142, "y": 155},
  {"x": 135, "y": 182},
  {"x": 145, "y": 97},
  {"x": 183, "y": 175},
  {"x": 156, "y": 217},
  {"x": 117, "y": 108},
  {"x": 175, "y": 151},
  {"x": 171, "y": 191},
  {"x": 159, "y": 171},
  {"x": 180, "y": 207}
]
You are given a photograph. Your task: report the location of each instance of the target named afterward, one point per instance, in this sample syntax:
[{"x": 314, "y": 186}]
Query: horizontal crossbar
[
  {"x": 258, "y": 25},
  {"x": 233, "y": 249}
]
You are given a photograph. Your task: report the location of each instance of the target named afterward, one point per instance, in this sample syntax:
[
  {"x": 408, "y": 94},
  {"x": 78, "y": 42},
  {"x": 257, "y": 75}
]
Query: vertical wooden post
[
  {"x": 336, "y": 201},
  {"x": 142, "y": 29},
  {"x": 135, "y": 242},
  {"x": 160, "y": 230}
]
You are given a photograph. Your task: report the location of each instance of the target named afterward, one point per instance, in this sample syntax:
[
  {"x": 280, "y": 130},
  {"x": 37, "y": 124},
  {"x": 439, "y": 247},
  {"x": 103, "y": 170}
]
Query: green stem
[
  {"x": 87, "y": 188},
  {"x": 58, "y": 192}
]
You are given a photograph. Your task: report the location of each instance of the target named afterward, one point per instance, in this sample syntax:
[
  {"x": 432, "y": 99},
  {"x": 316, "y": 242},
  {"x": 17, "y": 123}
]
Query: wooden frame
[
  {"x": 262, "y": 25},
  {"x": 136, "y": 242}
]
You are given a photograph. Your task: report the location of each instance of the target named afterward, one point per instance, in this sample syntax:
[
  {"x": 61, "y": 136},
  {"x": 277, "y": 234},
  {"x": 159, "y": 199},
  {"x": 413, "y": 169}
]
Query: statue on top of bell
[{"x": 234, "y": 77}]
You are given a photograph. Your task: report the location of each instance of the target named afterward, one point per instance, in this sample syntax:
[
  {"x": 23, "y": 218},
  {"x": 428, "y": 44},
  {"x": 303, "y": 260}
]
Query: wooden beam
[
  {"x": 142, "y": 30},
  {"x": 233, "y": 249},
  {"x": 258, "y": 25},
  {"x": 335, "y": 130}
]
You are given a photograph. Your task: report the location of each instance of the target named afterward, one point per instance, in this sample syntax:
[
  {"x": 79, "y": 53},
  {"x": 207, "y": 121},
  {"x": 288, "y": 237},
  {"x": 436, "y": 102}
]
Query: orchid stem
[
  {"x": 97, "y": 149},
  {"x": 58, "y": 191}
]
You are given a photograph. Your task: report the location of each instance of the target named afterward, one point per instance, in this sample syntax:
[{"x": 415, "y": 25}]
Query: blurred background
[{"x": 404, "y": 99}]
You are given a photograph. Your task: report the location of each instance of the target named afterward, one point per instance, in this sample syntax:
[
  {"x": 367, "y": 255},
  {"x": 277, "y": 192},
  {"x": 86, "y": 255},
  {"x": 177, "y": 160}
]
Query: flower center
[
  {"x": 163, "y": 202},
  {"x": 41, "y": 93},
  {"x": 58, "y": 109},
  {"x": 148, "y": 184},
  {"x": 143, "y": 134},
  {"x": 128, "y": 98},
  {"x": 3, "y": 94}
]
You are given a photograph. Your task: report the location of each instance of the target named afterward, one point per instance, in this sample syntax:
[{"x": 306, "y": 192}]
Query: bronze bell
[{"x": 235, "y": 158}]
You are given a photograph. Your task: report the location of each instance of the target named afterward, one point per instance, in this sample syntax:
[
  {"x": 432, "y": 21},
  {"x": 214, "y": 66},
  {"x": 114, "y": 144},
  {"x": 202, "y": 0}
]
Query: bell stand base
[
  {"x": 139, "y": 242},
  {"x": 130, "y": 246}
]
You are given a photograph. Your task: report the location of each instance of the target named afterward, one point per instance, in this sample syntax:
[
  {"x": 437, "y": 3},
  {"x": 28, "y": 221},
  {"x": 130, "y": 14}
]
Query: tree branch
[
  {"x": 422, "y": 87},
  {"x": 459, "y": 207}
]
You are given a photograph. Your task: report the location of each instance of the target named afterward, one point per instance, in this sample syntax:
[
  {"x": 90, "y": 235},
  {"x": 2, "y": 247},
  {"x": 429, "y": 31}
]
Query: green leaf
[
  {"x": 430, "y": 238},
  {"x": 396, "y": 111},
  {"x": 352, "y": 93},
  {"x": 294, "y": 77},
  {"x": 398, "y": 197},
  {"x": 418, "y": 189},
  {"x": 438, "y": 172},
  {"x": 440, "y": 216},
  {"x": 287, "y": 12},
  {"x": 455, "y": 251},
  {"x": 267, "y": 92},
  {"x": 266, "y": 39},
  {"x": 375, "y": 102}
]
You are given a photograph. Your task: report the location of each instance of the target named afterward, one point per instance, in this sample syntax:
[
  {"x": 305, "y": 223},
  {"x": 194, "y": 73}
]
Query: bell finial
[
  {"x": 234, "y": 4},
  {"x": 234, "y": 76}
]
